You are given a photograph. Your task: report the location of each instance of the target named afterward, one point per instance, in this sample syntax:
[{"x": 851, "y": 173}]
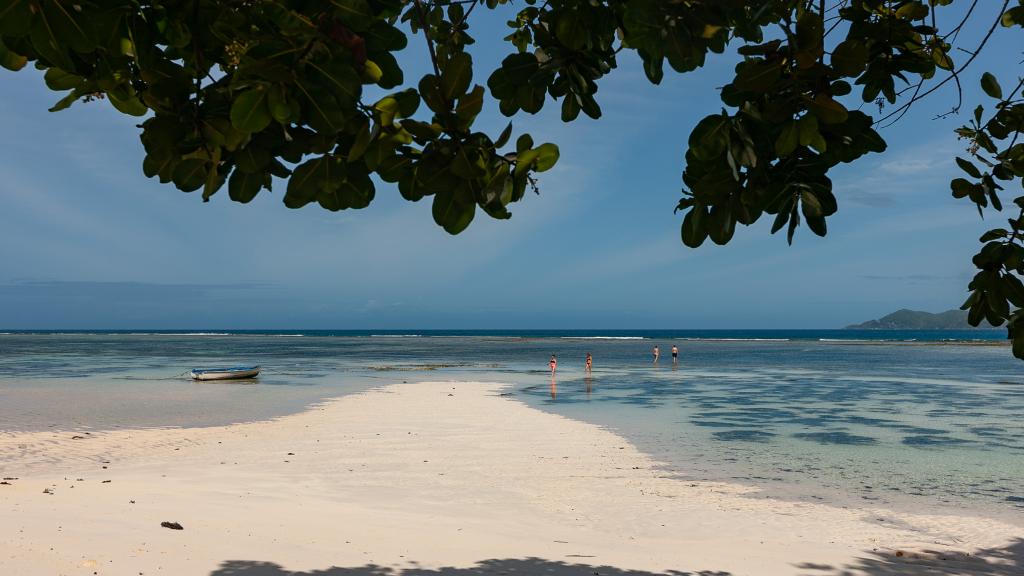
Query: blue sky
[{"x": 88, "y": 242}]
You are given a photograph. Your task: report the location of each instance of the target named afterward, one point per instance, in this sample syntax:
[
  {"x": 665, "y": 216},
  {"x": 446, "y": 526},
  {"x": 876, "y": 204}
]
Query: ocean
[{"x": 916, "y": 420}]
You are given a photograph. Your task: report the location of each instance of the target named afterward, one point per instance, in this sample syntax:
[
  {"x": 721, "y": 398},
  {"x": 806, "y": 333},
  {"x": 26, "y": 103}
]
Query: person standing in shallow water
[
  {"x": 589, "y": 362},
  {"x": 675, "y": 354},
  {"x": 657, "y": 353},
  {"x": 553, "y": 364}
]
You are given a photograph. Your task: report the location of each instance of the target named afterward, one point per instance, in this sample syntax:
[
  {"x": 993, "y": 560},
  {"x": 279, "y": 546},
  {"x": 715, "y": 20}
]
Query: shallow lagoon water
[
  {"x": 828, "y": 435},
  {"x": 894, "y": 421}
]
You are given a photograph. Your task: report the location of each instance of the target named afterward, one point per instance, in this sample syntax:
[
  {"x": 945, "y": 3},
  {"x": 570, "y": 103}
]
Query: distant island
[{"x": 915, "y": 320}]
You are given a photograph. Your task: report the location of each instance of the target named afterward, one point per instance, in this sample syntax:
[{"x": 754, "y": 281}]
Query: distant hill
[{"x": 914, "y": 320}]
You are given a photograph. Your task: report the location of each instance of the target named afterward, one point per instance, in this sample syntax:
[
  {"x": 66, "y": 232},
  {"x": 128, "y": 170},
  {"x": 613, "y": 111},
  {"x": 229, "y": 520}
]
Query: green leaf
[
  {"x": 794, "y": 221},
  {"x": 912, "y": 11},
  {"x": 159, "y": 163},
  {"x": 177, "y": 33},
  {"x": 504, "y": 136},
  {"x": 10, "y": 60},
  {"x": 249, "y": 111},
  {"x": 452, "y": 210},
  {"x": 190, "y": 174},
  {"x": 961, "y": 187},
  {"x": 214, "y": 180},
  {"x": 721, "y": 224},
  {"x": 547, "y": 156},
  {"x": 393, "y": 75},
  {"x": 321, "y": 109},
  {"x": 813, "y": 213},
  {"x": 968, "y": 166},
  {"x": 525, "y": 160},
  {"x": 850, "y": 57},
  {"x": 59, "y": 80},
  {"x": 394, "y": 168},
  {"x": 252, "y": 159},
  {"x": 587, "y": 103},
  {"x": 571, "y": 30},
  {"x": 466, "y": 164},
  {"x": 409, "y": 186},
  {"x": 340, "y": 79},
  {"x": 362, "y": 141},
  {"x": 430, "y": 91},
  {"x": 693, "y": 230},
  {"x": 49, "y": 46},
  {"x": 408, "y": 102},
  {"x": 808, "y": 128},
  {"x": 355, "y": 13},
  {"x": 384, "y": 36},
  {"x": 570, "y": 107},
  {"x": 941, "y": 58},
  {"x": 710, "y": 137},
  {"x": 781, "y": 217},
  {"x": 757, "y": 75},
  {"x": 788, "y": 139},
  {"x": 15, "y": 18},
  {"x": 828, "y": 110},
  {"x": 243, "y": 186},
  {"x": 809, "y": 35},
  {"x": 387, "y": 107},
  {"x": 470, "y": 105},
  {"x": 456, "y": 76},
  {"x": 811, "y": 206},
  {"x": 1013, "y": 289},
  {"x": 372, "y": 72},
  {"x": 312, "y": 177},
  {"x": 67, "y": 25},
  {"x": 991, "y": 86},
  {"x": 130, "y": 105},
  {"x": 277, "y": 102},
  {"x": 348, "y": 195},
  {"x": 993, "y": 235},
  {"x": 1014, "y": 16},
  {"x": 524, "y": 143}
]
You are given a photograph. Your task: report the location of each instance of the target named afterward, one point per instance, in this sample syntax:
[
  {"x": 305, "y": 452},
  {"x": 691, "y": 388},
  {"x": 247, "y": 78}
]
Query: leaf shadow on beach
[
  {"x": 1002, "y": 561},
  {"x": 507, "y": 567}
]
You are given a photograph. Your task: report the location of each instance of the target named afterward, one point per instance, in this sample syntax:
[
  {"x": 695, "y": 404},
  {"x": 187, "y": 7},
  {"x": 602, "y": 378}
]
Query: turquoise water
[{"x": 895, "y": 419}]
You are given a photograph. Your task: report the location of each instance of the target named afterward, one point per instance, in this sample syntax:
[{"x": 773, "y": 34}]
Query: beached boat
[{"x": 225, "y": 373}]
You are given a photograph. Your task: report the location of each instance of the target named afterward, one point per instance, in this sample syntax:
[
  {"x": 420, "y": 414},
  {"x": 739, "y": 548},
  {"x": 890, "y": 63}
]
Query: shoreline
[
  {"x": 446, "y": 474},
  {"x": 739, "y": 336}
]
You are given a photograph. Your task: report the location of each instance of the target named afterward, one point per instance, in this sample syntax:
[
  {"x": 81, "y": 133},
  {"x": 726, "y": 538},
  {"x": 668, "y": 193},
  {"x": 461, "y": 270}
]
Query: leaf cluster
[
  {"x": 244, "y": 92},
  {"x": 996, "y": 162}
]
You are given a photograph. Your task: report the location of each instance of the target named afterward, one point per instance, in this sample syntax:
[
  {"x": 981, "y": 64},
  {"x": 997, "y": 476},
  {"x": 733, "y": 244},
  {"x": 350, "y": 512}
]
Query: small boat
[{"x": 225, "y": 373}]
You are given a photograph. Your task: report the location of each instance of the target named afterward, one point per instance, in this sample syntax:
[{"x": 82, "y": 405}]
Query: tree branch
[{"x": 953, "y": 75}]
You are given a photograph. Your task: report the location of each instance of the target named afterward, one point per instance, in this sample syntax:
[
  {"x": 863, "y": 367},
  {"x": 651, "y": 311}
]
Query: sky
[{"x": 88, "y": 242}]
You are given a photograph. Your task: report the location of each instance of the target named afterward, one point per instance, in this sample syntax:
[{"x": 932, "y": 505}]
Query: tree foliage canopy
[{"x": 237, "y": 92}]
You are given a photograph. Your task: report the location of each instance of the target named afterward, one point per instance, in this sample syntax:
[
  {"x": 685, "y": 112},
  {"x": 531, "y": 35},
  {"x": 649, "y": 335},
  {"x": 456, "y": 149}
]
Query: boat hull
[{"x": 226, "y": 373}]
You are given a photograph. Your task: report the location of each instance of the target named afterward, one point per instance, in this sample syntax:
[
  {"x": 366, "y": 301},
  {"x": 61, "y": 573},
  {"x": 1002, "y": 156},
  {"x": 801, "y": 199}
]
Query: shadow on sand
[
  {"x": 1004, "y": 561},
  {"x": 506, "y": 567}
]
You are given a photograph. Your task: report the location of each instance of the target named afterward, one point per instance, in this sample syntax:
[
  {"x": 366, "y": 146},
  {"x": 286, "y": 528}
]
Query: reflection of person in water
[
  {"x": 554, "y": 387},
  {"x": 588, "y": 381}
]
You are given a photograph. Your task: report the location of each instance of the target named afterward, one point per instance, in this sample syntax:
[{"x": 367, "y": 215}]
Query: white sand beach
[{"x": 443, "y": 479}]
